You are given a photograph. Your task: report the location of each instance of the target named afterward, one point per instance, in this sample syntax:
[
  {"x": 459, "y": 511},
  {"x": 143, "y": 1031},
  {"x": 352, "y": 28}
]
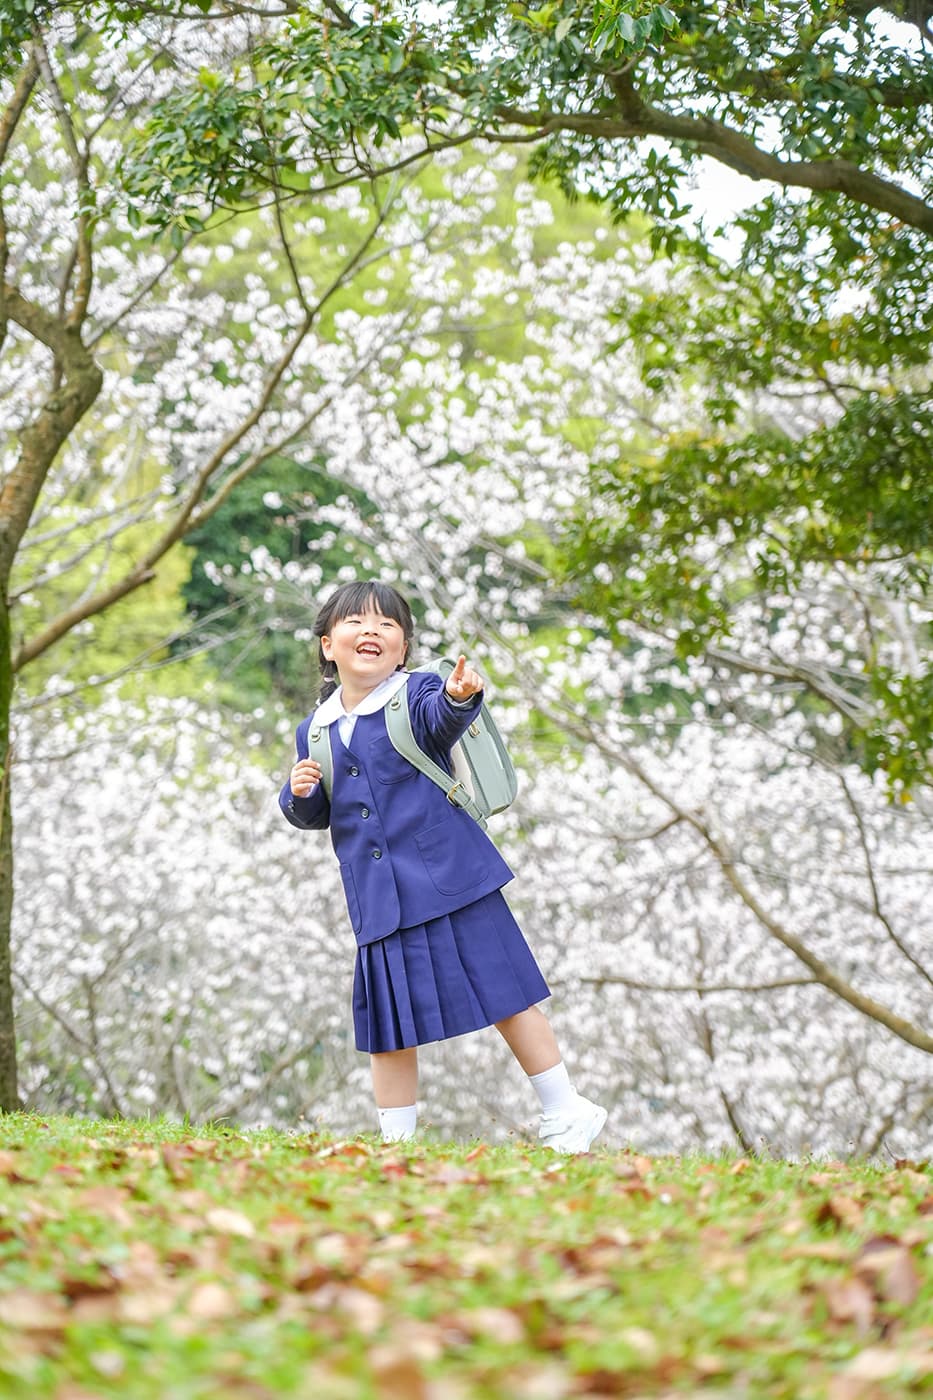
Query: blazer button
[
  {"x": 354, "y": 772},
  {"x": 377, "y": 854},
  {"x": 364, "y": 811}
]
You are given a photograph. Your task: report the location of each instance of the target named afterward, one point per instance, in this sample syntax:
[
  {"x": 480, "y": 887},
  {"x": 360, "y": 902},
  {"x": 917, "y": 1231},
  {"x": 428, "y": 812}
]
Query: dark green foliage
[{"x": 251, "y": 626}]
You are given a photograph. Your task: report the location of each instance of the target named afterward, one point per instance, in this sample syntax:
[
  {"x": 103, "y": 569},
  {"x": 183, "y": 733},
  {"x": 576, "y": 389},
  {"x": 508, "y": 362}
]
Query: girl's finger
[{"x": 456, "y": 674}]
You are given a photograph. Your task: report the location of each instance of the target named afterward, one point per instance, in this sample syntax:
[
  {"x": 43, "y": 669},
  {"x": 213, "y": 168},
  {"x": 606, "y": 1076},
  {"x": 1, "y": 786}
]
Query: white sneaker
[{"x": 575, "y": 1127}]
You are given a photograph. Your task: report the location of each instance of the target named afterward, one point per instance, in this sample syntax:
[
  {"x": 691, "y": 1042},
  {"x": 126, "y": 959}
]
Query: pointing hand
[{"x": 463, "y": 681}]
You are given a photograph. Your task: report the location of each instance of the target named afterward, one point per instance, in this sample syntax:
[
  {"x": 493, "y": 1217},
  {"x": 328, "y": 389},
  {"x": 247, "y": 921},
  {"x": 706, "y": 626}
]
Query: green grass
[{"x": 155, "y": 1260}]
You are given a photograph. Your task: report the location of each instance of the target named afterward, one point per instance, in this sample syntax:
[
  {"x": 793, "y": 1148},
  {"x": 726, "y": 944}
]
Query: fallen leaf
[
  {"x": 101, "y": 1285},
  {"x": 28, "y": 1311},
  {"x": 831, "y": 1250},
  {"x": 864, "y": 1376},
  {"x": 397, "y": 1374},
  {"x": 146, "y": 1305},
  {"x": 175, "y": 1162},
  {"x": 501, "y": 1324},
  {"x": 230, "y": 1222},
  {"x": 891, "y": 1269},
  {"x": 110, "y": 1364},
  {"x": 211, "y": 1301},
  {"x": 842, "y": 1211},
  {"x": 10, "y": 1163},
  {"x": 107, "y": 1201},
  {"x": 850, "y": 1300},
  {"x": 364, "y": 1312}
]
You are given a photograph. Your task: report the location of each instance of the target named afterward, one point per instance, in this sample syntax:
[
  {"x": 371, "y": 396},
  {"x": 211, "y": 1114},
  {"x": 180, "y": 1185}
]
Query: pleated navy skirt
[{"x": 451, "y": 975}]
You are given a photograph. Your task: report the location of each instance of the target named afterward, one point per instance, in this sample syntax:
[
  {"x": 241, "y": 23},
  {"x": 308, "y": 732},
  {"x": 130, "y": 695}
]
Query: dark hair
[{"x": 353, "y": 598}]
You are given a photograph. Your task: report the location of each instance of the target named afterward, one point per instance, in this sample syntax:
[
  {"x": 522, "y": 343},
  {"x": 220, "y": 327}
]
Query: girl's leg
[
  {"x": 395, "y": 1087},
  {"x": 569, "y": 1122},
  {"x": 531, "y": 1040},
  {"x": 395, "y": 1078}
]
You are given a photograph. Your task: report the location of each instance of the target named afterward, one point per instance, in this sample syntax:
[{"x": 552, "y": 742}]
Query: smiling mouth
[{"x": 368, "y": 649}]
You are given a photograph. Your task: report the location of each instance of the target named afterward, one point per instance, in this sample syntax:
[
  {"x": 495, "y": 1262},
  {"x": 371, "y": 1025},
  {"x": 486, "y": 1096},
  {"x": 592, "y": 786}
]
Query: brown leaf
[
  {"x": 350, "y": 1148},
  {"x": 142, "y": 1267},
  {"x": 94, "y": 1310},
  {"x": 865, "y": 1376},
  {"x": 842, "y": 1211},
  {"x": 101, "y": 1285},
  {"x": 26, "y": 1311},
  {"x": 107, "y": 1201},
  {"x": 823, "y": 1179},
  {"x": 286, "y": 1224},
  {"x": 364, "y": 1312},
  {"x": 230, "y": 1222},
  {"x": 199, "y": 1147},
  {"x": 830, "y": 1250},
  {"x": 110, "y": 1364},
  {"x": 917, "y": 1180},
  {"x": 10, "y": 1163},
  {"x": 344, "y": 1253},
  {"x": 211, "y": 1301},
  {"x": 174, "y": 1161},
  {"x": 147, "y": 1305},
  {"x": 500, "y": 1324},
  {"x": 890, "y": 1268},
  {"x": 397, "y": 1373},
  {"x": 850, "y": 1300}
]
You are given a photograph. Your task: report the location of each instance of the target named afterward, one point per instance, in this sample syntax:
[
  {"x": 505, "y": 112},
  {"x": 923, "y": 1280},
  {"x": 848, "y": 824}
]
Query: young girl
[{"x": 439, "y": 951}]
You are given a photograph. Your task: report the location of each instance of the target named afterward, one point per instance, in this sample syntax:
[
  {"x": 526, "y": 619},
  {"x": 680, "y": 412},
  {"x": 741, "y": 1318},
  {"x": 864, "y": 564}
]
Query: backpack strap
[
  {"x": 319, "y": 749},
  {"x": 398, "y": 724}
]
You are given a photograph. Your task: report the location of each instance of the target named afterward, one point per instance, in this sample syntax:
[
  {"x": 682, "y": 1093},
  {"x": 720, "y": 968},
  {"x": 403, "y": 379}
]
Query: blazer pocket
[
  {"x": 453, "y": 863},
  {"x": 387, "y": 763},
  {"x": 353, "y": 902}
]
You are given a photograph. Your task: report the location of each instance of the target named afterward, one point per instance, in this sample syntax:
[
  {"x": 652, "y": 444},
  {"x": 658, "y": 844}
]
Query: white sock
[
  {"x": 553, "y": 1088},
  {"x": 397, "y": 1124}
]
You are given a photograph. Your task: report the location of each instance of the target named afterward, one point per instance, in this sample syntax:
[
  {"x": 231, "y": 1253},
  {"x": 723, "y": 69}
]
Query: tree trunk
[{"x": 9, "y": 1093}]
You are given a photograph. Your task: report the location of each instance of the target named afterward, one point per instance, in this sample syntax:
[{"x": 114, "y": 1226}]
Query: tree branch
[
  {"x": 8, "y": 124},
  {"x": 41, "y": 440},
  {"x": 706, "y": 136},
  {"x": 193, "y": 510},
  {"x": 823, "y": 973},
  {"x": 702, "y": 989},
  {"x": 79, "y": 161},
  {"x": 873, "y": 884}
]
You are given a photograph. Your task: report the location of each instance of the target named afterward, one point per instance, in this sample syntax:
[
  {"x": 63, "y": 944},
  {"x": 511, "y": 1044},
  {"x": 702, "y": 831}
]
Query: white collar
[{"x": 332, "y": 708}]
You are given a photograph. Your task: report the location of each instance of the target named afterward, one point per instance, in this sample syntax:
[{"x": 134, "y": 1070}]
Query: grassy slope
[{"x": 151, "y": 1260}]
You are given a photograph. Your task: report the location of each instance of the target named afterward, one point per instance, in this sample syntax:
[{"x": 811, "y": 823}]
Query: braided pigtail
[{"x": 329, "y": 678}]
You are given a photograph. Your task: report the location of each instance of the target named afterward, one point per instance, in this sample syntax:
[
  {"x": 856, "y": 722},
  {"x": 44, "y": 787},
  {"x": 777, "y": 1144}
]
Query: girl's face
[{"x": 366, "y": 648}]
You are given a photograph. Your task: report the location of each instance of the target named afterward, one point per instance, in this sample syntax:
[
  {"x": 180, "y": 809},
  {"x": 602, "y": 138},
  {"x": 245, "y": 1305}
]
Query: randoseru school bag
[{"x": 484, "y": 780}]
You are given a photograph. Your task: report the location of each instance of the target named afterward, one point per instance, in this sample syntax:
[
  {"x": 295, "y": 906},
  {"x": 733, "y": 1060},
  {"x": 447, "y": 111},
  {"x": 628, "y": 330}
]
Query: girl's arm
[{"x": 438, "y": 718}]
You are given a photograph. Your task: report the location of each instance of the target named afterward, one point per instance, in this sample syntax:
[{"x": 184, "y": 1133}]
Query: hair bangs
[{"x": 358, "y": 597}]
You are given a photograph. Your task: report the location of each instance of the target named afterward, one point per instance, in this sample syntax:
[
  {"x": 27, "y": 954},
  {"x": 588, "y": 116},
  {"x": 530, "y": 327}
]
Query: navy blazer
[{"x": 406, "y": 854}]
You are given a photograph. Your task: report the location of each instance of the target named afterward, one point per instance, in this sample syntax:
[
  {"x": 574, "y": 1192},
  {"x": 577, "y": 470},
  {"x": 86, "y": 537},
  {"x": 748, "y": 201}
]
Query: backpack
[{"x": 484, "y": 780}]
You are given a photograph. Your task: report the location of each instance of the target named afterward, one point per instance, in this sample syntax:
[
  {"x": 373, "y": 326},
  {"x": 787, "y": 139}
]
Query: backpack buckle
[{"x": 451, "y": 798}]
